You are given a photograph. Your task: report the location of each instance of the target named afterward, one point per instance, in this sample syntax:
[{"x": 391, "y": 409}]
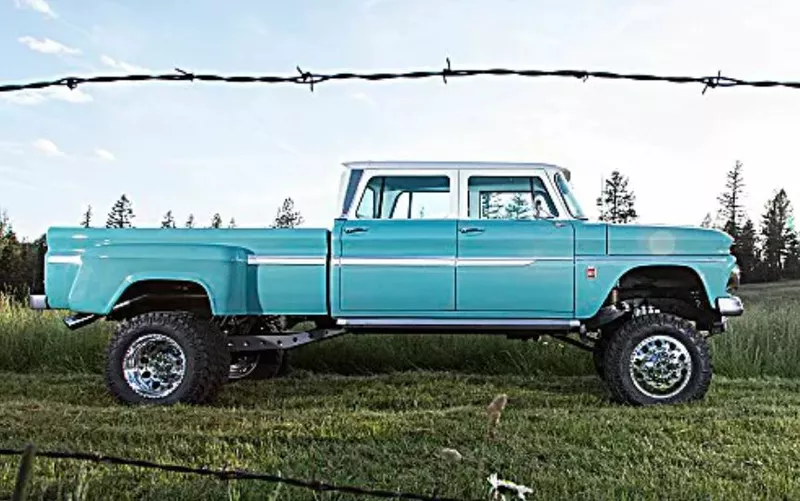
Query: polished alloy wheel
[
  {"x": 660, "y": 366},
  {"x": 154, "y": 365}
]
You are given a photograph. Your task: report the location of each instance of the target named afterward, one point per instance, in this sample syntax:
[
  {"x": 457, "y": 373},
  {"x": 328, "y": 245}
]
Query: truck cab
[{"x": 423, "y": 247}]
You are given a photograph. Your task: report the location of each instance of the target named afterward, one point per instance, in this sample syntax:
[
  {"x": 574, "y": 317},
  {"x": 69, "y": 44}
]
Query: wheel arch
[
  {"x": 144, "y": 293},
  {"x": 679, "y": 288}
]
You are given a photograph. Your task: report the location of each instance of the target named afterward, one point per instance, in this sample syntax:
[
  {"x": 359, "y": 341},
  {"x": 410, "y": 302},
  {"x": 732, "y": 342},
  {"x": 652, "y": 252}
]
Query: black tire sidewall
[{"x": 620, "y": 348}]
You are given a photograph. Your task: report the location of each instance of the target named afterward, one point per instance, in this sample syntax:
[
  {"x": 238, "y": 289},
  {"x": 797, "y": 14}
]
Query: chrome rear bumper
[
  {"x": 38, "y": 302},
  {"x": 730, "y": 306}
]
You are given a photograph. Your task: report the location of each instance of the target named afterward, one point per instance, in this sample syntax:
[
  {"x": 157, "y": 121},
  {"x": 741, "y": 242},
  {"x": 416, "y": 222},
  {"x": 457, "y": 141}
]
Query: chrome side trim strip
[
  {"x": 424, "y": 261},
  {"x": 457, "y": 322},
  {"x": 357, "y": 261},
  {"x": 60, "y": 259},
  {"x": 287, "y": 260},
  {"x": 473, "y": 262}
]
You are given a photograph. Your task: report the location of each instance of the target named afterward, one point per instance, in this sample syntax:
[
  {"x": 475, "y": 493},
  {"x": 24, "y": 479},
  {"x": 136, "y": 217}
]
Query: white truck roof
[{"x": 421, "y": 165}]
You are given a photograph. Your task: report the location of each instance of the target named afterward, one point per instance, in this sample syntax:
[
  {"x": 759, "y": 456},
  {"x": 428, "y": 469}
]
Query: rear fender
[{"x": 106, "y": 272}]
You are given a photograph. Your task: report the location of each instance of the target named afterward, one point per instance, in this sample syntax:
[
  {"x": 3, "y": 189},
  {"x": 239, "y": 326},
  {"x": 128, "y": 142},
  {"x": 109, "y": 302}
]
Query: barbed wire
[
  {"x": 314, "y": 79},
  {"x": 227, "y": 475}
]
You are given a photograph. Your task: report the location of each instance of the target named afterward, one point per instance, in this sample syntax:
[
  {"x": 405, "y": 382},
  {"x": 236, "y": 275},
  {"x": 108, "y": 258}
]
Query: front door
[
  {"x": 515, "y": 253},
  {"x": 398, "y": 255}
]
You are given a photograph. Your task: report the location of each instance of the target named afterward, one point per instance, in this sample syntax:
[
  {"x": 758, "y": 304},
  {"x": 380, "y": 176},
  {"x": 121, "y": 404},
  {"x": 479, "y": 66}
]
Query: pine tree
[
  {"x": 490, "y": 206},
  {"x": 792, "y": 263},
  {"x": 707, "y": 222},
  {"x": 287, "y": 216},
  {"x": 775, "y": 230},
  {"x": 731, "y": 211},
  {"x": 168, "y": 221},
  {"x": 190, "y": 221},
  {"x": 121, "y": 214},
  {"x": 518, "y": 207},
  {"x": 232, "y": 223},
  {"x": 86, "y": 222},
  {"x": 616, "y": 202},
  {"x": 216, "y": 221},
  {"x": 746, "y": 252}
]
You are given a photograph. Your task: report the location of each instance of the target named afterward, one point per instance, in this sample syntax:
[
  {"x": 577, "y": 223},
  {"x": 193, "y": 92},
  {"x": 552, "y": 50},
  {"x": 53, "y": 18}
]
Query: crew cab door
[
  {"x": 514, "y": 253},
  {"x": 398, "y": 252}
]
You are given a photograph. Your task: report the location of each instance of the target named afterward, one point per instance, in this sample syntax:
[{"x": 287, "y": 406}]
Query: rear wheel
[
  {"x": 657, "y": 358},
  {"x": 257, "y": 365},
  {"x": 166, "y": 358}
]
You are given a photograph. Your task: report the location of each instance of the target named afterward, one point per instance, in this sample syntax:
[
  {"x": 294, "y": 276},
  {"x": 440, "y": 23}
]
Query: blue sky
[{"x": 240, "y": 149}]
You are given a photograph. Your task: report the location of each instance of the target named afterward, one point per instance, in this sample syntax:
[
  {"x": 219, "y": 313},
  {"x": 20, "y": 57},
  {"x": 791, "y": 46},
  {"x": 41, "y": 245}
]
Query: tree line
[
  {"x": 766, "y": 251},
  {"x": 22, "y": 261}
]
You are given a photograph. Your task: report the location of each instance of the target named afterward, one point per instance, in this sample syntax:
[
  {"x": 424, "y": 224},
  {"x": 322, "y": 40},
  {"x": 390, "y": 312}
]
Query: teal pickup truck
[{"x": 418, "y": 247}]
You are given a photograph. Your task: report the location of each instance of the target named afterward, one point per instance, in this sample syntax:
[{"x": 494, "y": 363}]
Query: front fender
[{"x": 591, "y": 293}]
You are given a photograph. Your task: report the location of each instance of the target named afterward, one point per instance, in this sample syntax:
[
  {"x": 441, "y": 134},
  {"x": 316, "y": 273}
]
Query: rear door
[
  {"x": 398, "y": 253},
  {"x": 515, "y": 251}
]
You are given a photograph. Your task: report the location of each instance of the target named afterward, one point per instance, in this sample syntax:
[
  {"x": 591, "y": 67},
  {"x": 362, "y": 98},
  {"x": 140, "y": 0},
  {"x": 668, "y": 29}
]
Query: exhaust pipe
[{"x": 80, "y": 320}]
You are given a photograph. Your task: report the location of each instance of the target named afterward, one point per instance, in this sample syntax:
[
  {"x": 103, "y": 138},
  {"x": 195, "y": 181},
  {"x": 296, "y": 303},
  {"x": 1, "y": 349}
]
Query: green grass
[
  {"x": 376, "y": 410},
  {"x": 764, "y": 342},
  {"x": 559, "y": 436}
]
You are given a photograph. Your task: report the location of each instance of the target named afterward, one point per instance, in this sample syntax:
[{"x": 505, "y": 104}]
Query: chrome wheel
[
  {"x": 154, "y": 365},
  {"x": 243, "y": 365},
  {"x": 660, "y": 366}
]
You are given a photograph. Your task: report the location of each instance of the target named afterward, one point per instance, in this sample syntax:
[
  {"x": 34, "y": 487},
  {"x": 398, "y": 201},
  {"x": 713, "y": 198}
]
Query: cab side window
[
  {"x": 502, "y": 197},
  {"x": 405, "y": 197}
]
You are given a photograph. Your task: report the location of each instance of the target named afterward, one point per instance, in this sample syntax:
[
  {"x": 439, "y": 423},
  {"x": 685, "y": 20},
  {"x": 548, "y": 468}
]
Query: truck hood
[{"x": 629, "y": 240}]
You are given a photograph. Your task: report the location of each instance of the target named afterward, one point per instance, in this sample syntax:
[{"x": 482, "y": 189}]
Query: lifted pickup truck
[{"x": 419, "y": 247}]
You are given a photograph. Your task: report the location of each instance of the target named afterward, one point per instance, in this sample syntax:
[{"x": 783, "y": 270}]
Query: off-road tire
[
  {"x": 202, "y": 342},
  {"x": 622, "y": 343}
]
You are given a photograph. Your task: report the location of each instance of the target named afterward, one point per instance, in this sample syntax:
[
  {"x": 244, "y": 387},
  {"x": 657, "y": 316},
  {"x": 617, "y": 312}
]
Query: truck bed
[{"x": 244, "y": 271}]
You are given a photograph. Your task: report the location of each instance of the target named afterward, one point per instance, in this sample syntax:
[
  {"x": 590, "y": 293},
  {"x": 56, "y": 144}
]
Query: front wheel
[{"x": 657, "y": 358}]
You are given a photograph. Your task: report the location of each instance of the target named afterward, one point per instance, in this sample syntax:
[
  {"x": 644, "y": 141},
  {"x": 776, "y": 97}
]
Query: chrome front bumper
[
  {"x": 38, "y": 302},
  {"x": 730, "y": 306}
]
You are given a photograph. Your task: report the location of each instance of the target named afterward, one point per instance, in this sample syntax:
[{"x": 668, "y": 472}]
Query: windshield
[{"x": 565, "y": 189}]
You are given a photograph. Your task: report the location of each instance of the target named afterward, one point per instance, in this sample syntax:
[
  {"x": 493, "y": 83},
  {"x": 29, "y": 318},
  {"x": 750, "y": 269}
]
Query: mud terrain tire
[
  {"x": 166, "y": 358},
  {"x": 657, "y": 358}
]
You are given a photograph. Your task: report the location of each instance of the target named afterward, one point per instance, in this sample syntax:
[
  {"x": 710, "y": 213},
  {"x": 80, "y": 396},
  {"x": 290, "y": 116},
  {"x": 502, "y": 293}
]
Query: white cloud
[
  {"x": 47, "y": 46},
  {"x": 39, "y": 96},
  {"x": 38, "y": 5},
  {"x": 104, "y": 155},
  {"x": 47, "y": 147},
  {"x": 122, "y": 65},
  {"x": 364, "y": 98}
]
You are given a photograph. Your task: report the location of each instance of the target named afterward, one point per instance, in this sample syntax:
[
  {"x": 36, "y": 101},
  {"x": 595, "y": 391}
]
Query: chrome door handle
[
  {"x": 356, "y": 229},
  {"x": 471, "y": 230}
]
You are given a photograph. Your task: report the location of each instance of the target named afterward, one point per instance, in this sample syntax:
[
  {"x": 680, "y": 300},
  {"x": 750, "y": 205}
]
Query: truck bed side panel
[{"x": 244, "y": 271}]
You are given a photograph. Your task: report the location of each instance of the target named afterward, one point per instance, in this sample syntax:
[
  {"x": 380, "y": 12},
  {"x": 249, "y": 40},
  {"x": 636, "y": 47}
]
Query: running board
[
  {"x": 282, "y": 341},
  {"x": 457, "y": 325}
]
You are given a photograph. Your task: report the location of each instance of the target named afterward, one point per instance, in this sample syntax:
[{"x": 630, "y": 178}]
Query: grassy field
[{"x": 376, "y": 411}]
